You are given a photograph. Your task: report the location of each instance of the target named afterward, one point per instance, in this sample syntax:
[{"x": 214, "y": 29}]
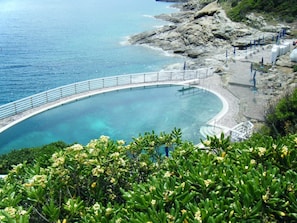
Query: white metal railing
[
  {"x": 34, "y": 101},
  {"x": 242, "y": 131}
]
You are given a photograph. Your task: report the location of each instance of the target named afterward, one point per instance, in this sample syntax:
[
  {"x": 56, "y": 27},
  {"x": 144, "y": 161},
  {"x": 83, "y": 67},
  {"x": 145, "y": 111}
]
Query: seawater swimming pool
[{"x": 121, "y": 114}]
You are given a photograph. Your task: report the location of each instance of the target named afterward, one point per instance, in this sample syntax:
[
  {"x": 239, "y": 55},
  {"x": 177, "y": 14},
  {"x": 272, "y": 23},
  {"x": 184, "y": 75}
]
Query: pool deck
[
  {"x": 239, "y": 81},
  {"x": 240, "y": 84}
]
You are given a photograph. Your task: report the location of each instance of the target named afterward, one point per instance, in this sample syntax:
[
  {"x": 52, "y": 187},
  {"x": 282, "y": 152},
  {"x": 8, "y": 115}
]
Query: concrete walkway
[{"x": 239, "y": 81}]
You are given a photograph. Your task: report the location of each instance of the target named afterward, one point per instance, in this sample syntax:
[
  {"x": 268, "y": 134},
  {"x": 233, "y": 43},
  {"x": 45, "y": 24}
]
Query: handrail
[{"x": 37, "y": 100}]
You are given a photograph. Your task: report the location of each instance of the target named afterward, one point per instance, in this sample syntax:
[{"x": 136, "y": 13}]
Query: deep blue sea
[{"x": 48, "y": 43}]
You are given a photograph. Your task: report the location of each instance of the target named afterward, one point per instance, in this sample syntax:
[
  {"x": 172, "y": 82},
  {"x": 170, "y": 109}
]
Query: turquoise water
[
  {"x": 48, "y": 43},
  {"x": 119, "y": 114}
]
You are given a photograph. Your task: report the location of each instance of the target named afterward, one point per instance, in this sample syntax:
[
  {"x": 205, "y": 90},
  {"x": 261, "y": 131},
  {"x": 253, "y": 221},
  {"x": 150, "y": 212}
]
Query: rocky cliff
[{"x": 198, "y": 31}]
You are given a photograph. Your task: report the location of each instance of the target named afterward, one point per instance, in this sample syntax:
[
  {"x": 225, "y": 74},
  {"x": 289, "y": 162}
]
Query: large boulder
[{"x": 208, "y": 10}]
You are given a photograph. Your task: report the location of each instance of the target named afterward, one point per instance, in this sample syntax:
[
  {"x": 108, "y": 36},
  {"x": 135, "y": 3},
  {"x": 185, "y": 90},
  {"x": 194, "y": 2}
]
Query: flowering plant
[{"x": 109, "y": 181}]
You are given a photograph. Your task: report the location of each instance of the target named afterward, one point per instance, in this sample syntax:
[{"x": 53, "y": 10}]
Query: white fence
[
  {"x": 242, "y": 131},
  {"x": 34, "y": 101}
]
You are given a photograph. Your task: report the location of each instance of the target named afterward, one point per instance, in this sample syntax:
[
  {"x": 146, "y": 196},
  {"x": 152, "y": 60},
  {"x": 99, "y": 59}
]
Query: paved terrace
[
  {"x": 17, "y": 111},
  {"x": 239, "y": 78}
]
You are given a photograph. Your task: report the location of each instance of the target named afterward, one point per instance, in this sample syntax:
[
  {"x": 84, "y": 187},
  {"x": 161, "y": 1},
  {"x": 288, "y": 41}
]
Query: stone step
[
  {"x": 241, "y": 84},
  {"x": 210, "y": 131}
]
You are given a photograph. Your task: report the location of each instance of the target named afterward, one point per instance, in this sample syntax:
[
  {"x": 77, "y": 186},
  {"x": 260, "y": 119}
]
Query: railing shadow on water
[{"x": 118, "y": 82}]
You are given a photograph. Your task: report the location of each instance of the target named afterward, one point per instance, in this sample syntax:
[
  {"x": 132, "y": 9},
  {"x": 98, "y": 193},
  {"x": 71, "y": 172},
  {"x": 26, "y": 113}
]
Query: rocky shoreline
[
  {"x": 205, "y": 36},
  {"x": 199, "y": 31}
]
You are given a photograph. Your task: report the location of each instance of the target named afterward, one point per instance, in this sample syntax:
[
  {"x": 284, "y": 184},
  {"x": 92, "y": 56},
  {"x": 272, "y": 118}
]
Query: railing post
[
  {"x": 61, "y": 93},
  {"x": 15, "y": 108},
  {"x": 46, "y": 97},
  {"x": 89, "y": 85},
  {"x": 102, "y": 82},
  {"x": 117, "y": 78},
  {"x": 144, "y": 78},
  {"x": 130, "y": 79},
  {"x": 31, "y": 100},
  {"x": 75, "y": 90}
]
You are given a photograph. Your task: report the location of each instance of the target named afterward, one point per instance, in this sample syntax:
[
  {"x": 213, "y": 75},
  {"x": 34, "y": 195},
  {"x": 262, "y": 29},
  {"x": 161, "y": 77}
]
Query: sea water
[{"x": 49, "y": 43}]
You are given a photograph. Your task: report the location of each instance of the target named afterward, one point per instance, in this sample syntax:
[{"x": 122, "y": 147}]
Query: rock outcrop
[{"x": 197, "y": 31}]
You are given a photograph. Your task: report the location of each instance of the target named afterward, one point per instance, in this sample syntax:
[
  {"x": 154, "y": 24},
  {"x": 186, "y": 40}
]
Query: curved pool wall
[{"x": 130, "y": 112}]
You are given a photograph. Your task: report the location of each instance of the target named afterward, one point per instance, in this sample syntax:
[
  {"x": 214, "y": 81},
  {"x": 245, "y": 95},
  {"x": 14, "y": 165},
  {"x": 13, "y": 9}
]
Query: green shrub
[
  {"x": 234, "y": 3},
  {"x": 238, "y": 12},
  {"x": 27, "y": 155},
  {"x": 281, "y": 118},
  {"x": 289, "y": 19},
  {"x": 108, "y": 181},
  {"x": 280, "y": 9},
  {"x": 82, "y": 183}
]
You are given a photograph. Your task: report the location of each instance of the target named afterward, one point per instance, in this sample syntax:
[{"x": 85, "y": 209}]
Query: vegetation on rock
[{"x": 284, "y": 9}]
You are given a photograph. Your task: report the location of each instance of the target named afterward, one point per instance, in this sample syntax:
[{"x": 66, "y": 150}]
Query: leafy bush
[
  {"x": 79, "y": 180},
  {"x": 29, "y": 156},
  {"x": 284, "y": 9},
  {"x": 289, "y": 19},
  {"x": 240, "y": 9},
  {"x": 281, "y": 119},
  {"x": 108, "y": 181}
]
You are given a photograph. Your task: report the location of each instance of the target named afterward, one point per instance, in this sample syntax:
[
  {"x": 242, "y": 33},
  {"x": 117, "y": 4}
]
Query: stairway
[{"x": 210, "y": 131}]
